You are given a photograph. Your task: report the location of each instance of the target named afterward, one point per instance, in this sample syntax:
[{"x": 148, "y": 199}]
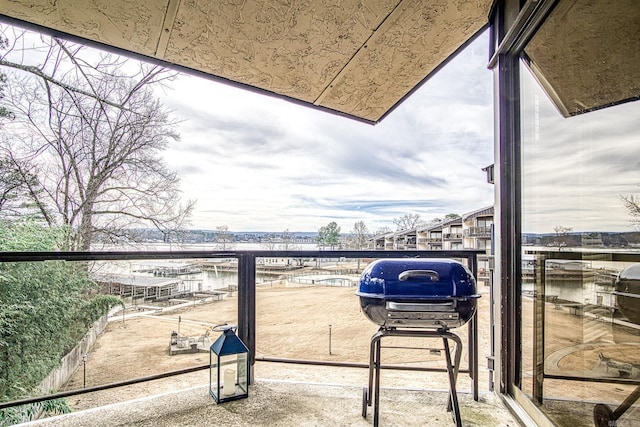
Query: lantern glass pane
[
  {"x": 242, "y": 372},
  {"x": 214, "y": 372}
]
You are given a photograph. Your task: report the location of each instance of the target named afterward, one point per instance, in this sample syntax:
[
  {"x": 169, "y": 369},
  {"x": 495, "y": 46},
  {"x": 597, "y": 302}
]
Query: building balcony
[
  {"x": 482, "y": 232},
  {"x": 452, "y": 236}
]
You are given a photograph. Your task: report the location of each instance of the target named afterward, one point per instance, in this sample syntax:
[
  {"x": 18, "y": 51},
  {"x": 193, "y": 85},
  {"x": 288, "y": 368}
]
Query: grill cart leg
[
  {"x": 371, "y": 392},
  {"x": 376, "y": 405},
  {"x": 365, "y": 401},
  {"x": 375, "y": 339},
  {"x": 452, "y": 370},
  {"x": 456, "y": 362}
]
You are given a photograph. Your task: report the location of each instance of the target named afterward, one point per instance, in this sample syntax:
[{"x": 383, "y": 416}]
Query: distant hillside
[
  {"x": 148, "y": 235},
  {"x": 594, "y": 239}
]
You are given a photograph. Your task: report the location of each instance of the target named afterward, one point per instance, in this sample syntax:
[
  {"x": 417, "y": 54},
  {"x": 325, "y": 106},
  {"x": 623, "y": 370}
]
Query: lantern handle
[{"x": 224, "y": 327}]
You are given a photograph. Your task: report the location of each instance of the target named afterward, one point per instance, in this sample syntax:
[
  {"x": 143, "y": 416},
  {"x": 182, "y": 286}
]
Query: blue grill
[{"x": 418, "y": 293}]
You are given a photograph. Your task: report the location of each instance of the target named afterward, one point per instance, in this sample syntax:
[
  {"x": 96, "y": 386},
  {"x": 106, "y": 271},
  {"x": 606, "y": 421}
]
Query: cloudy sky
[{"x": 257, "y": 163}]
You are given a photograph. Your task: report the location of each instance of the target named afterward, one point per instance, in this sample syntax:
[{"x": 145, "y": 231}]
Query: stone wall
[{"x": 69, "y": 363}]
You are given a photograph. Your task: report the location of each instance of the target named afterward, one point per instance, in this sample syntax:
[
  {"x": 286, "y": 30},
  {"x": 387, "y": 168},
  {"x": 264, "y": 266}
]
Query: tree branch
[{"x": 39, "y": 73}]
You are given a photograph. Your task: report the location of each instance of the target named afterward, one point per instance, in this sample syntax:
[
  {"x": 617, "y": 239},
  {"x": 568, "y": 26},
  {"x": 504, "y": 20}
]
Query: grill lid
[{"x": 417, "y": 279}]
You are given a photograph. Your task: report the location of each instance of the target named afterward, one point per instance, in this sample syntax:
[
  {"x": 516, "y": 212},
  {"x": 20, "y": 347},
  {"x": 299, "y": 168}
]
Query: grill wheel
[{"x": 603, "y": 416}]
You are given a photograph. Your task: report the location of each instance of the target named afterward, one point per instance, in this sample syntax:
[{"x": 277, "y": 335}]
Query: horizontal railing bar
[
  {"x": 354, "y": 365},
  {"x": 60, "y": 395},
  {"x": 93, "y": 389},
  {"x": 142, "y": 255},
  {"x": 584, "y": 256},
  {"x": 594, "y": 380}
]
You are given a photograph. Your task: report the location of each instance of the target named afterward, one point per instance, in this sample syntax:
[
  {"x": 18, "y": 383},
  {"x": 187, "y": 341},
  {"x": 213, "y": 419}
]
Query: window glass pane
[{"x": 580, "y": 176}]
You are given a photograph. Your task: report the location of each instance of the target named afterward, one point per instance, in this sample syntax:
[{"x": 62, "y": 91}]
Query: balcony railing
[
  {"x": 478, "y": 232},
  {"x": 246, "y": 270},
  {"x": 541, "y": 278},
  {"x": 452, "y": 236}
]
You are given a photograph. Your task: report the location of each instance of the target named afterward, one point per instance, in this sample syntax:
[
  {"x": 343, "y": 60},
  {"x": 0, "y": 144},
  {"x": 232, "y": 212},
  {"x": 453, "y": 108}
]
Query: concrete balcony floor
[{"x": 297, "y": 395}]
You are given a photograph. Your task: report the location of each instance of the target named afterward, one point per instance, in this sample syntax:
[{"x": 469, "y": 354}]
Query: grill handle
[{"x": 411, "y": 274}]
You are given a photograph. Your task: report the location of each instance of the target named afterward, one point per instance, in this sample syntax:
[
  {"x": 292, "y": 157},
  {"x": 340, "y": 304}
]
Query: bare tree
[
  {"x": 268, "y": 244},
  {"x": 15, "y": 186},
  {"x": 288, "y": 241},
  {"x": 90, "y": 131},
  {"x": 383, "y": 230},
  {"x": 284, "y": 241},
  {"x": 561, "y": 232},
  {"x": 224, "y": 238},
  {"x": 406, "y": 221},
  {"x": 632, "y": 204},
  {"x": 359, "y": 236},
  {"x": 4, "y": 111}
]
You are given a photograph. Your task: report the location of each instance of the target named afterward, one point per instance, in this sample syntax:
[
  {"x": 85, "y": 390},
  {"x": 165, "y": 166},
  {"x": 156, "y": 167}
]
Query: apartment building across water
[{"x": 473, "y": 230}]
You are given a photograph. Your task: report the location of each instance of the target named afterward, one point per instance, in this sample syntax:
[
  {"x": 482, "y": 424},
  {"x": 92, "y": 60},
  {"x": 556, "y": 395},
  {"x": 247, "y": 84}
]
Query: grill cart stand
[
  {"x": 419, "y": 298},
  {"x": 372, "y": 393}
]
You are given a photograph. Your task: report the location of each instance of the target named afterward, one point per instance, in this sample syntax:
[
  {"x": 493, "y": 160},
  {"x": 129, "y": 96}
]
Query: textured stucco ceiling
[
  {"x": 586, "y": 54},
  {"x": 356, "y": 57}
]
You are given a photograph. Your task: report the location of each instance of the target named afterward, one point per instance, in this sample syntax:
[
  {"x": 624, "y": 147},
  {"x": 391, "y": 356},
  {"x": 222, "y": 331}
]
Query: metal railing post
[
  {"x": 472, "y": 327},
  {"x": 247, "y": 306}
]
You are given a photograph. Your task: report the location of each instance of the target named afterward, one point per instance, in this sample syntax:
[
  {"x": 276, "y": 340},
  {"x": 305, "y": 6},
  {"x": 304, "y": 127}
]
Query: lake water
[
  {"x": 585, "y": 291},
  {"x": 241, "y": 246},
  {"x": 202, "y": 281}
]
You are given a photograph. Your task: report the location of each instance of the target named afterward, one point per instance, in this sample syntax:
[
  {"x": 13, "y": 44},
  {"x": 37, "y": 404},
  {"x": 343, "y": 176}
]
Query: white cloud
[{"x": 260, "y": 163}]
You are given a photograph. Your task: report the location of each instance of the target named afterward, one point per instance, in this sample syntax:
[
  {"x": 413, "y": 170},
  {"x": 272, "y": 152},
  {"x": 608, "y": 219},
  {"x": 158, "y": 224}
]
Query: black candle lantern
[{"x": 228, "y": 366}]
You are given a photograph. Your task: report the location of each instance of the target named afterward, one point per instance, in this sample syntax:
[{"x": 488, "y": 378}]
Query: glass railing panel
[
  {"x": 580, "y": 331},
  {"x": 82, "y": 325},
  {"x": 314, "y": 314}
]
